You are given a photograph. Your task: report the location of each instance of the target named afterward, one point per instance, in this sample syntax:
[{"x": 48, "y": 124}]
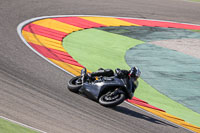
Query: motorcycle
[{"x": 108, "y": 91}]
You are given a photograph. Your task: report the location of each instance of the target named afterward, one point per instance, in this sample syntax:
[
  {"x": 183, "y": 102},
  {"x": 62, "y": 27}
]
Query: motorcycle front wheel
[
  {"x": 74, "y": 84},
  {"x": 108, "y": 101}
]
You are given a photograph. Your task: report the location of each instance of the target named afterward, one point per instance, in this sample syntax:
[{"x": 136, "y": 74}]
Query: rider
[{"x": 133, "y": 73}]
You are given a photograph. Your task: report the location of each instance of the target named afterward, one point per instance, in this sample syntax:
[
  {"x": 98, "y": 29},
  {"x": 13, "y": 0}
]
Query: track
[{"x": 34, "y": 92}]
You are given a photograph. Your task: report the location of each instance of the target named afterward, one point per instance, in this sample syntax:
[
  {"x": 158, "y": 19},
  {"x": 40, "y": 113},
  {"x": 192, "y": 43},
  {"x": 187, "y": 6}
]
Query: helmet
[{"x": 134, "y": 72}]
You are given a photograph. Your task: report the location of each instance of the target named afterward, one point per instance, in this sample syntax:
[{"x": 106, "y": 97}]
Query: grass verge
[
  {"x": 195, "y": 0},
  {"x": 9, "y": 127}
]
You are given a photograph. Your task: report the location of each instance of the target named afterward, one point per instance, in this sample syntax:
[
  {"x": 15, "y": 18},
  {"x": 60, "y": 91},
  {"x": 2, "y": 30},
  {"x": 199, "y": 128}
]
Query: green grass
[
  {"x": 9, "y": 127},
  {"x": 101, "y": 50},
  {"x": 95, "y": 48},
  {"x": 195, "y": 0},
  {"x": 196, "y": 30}
]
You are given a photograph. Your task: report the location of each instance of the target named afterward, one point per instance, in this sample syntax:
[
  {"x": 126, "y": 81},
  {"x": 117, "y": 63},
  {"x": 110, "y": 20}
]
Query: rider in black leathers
[{"x": 133, "y": 73}]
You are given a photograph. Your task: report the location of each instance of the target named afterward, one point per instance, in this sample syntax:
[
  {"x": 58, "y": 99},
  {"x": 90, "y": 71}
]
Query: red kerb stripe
[
  {"x": 43, "y": 31},
  {"x": 145, "y": 104},
  {"x": 78, "y": 22},
  {"x": 155, "y": 23},
  {"x": 55, "y": 54},
  {"x": 137, "y": 99}
]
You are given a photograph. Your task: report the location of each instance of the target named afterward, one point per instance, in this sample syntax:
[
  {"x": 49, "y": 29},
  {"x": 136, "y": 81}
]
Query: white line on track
[
  {"x": 21, "y": 25},
  {"x": 23, "y": 125}
]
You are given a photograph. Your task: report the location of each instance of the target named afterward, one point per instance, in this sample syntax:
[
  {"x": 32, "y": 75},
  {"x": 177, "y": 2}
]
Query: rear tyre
[
  {"x": 73, "y": 84},
  {"x": 111, "y": 102}
]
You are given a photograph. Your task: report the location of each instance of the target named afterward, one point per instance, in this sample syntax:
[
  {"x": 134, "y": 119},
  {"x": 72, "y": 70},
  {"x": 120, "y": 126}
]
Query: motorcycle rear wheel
[
  {"x": 72, "y": 84},
  {"x": 111, "y": 103}
]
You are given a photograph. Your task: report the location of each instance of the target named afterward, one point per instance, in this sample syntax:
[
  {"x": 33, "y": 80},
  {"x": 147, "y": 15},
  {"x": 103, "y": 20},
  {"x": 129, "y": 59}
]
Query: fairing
[{"x": 93, "y": 90}]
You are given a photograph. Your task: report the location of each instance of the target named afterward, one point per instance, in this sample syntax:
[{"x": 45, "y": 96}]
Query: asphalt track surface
[{"x": 33, "y": 91}]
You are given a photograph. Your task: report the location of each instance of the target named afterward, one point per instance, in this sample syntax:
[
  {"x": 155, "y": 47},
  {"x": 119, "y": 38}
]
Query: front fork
[{"x": 83, "y": 75}]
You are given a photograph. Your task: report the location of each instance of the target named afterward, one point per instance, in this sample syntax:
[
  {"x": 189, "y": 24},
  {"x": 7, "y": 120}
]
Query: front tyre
[
  {"x": 108, "y": 101},
  {"x": 74, "y": 84}
]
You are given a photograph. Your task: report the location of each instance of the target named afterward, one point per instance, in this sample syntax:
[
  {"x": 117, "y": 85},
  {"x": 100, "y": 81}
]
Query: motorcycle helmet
[{"x": 134, "y": 72}]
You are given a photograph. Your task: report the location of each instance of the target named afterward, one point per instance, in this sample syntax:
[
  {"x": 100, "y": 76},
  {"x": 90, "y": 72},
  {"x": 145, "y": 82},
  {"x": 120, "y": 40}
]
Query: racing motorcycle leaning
[{"x": 109, "y": 91}]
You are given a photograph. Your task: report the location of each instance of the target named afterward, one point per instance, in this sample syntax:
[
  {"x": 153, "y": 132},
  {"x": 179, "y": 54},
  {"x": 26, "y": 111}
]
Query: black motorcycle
[{"x": 108, "y": 91}]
